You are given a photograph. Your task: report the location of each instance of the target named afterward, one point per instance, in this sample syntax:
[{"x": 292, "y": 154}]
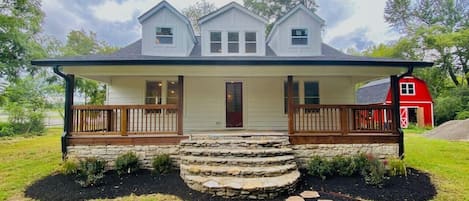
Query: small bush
[
  {"x": 343, "y": 166},
  {"x": 127, "y": 163},
  {"x": 396, "y": 167},
  {"x": 462, "y": 115},
  {"x": 375, "y": 172},
  {"x": 6, "y": 129},
  {"x": 90, "y": 172},
  {"x": 162, "y": 164},
  {"x": 320, "y": 167},
  {"x": 70, "y": 167},
  {"x": 360, "y": 162}
]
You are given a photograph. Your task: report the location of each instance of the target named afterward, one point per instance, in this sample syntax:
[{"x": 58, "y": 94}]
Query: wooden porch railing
[
  {"x": 343, "y": 119},
  {"x": 124, "y": 119}
]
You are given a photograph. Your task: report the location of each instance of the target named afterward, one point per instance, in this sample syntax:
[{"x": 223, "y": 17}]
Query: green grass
[
  {"x": 446, "y": 161},
  {"x": 26, "y": 159}
]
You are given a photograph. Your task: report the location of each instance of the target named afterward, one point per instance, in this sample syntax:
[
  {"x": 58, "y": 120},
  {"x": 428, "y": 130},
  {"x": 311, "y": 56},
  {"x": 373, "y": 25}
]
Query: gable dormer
[
  {"x": 232, "y": 30},
  {"x": 297, "y": 33},
  {"x": 166, "y": 32}
]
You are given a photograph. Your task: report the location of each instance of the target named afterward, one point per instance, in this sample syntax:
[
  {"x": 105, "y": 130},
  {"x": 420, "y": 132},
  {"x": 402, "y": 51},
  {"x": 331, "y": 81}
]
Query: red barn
[{"x": 416, "y": 100}]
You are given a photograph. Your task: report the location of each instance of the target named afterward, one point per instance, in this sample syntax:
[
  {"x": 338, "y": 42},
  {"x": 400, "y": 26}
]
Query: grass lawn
[
  {"x": 24, "y": 160},
  {"x": 446, "y": 161}
]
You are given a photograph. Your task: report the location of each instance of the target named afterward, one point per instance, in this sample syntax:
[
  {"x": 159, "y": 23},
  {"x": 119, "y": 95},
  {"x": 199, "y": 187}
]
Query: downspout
[
  {"x": 410, "y": 70},
  {"x": 67, "y": 108}
]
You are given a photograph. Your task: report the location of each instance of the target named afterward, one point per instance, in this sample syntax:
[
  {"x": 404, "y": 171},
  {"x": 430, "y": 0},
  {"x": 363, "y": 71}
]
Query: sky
[{"x": 349, "y": 23}]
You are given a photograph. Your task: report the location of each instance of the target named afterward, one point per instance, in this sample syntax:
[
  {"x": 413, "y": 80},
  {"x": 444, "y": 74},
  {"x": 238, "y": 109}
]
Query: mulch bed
[{"x": 417, "y": 186}]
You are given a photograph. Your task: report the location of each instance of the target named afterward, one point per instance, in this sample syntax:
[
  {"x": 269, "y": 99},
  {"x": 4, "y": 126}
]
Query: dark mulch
[{"x": 416, "y": 186}]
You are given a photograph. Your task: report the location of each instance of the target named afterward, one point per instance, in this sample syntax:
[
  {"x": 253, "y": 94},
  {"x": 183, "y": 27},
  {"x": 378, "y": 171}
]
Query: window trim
[
  {"x": 250, "y": 42},
  {"x": 293, "y": 37},
  {"x": 173, "y": 31},
  {"x": 233, "y": 42},
  {"x": 407, "y": 84},
  {"x": 213, "y": 42}
]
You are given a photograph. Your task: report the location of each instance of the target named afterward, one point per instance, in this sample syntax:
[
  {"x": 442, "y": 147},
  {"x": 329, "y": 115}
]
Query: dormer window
[
  {"x": 215, "y": 42},
  {"x": 164, "y": 35},
  {"x": 233, "y": 42},
  {"x": 299, "y": 37},
  {"x": 251, "y": 42}
]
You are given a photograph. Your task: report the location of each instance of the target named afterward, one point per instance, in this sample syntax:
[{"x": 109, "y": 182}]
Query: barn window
[{"x": 407, "y": 89}]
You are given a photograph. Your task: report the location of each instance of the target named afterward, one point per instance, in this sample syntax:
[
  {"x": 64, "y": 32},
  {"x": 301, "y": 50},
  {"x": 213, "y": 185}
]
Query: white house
[{"x": 231, "y": 80}]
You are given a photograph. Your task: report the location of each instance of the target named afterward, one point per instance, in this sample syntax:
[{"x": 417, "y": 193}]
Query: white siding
[
  {"x": 233, "y": 20},
  {"x": 204, "y": 98},
  {"x": 281, "y": 39},
  {"x": 182, "y": 38}
]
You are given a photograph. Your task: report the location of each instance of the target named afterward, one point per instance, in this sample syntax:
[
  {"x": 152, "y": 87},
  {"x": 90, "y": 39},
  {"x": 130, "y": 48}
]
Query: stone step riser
[
  {"x": 236, "y": 153},
  {"x": 249, "y": 137},
  {"x": 237, "y": 163},
  {"x": 235, "y": 145},
  {"x": 242, "y": 174}
]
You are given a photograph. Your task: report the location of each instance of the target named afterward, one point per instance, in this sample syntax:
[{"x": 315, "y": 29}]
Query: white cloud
[{"x": 368, "y": 14}]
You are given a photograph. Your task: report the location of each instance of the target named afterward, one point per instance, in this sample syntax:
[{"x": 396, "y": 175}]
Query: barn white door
[{"x": 404, "y": 117}]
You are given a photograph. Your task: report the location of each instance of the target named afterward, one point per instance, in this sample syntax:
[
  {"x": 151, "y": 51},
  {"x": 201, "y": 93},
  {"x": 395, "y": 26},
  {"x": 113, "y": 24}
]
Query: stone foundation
[
  {"x": 303, "y": 153},
  {"x": 109, "y": 153}
]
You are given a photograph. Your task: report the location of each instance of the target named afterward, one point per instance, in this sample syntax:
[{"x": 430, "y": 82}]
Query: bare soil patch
[
  {"x": 416, "y": 186},
  {"x": 451, "y": 130}
]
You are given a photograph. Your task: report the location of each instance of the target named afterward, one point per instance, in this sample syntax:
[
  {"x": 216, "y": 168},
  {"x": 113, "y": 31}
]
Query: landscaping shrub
[
  {"x": 396, "y": 167},
  {"x": 90, "y": 172},
  {"x": 320, "y": 167},
  {"x": 70, "y": 167},
  {"x": 127, "y": 163},
  {"x": 343, "y": 166},
  {"x": 375, "y": 172},
  {"x": 360, "y": 162},
  {"x": 161, "y": 164},
  {"x": 6, "y": 129},
  {"x": 462, "y": 115}
]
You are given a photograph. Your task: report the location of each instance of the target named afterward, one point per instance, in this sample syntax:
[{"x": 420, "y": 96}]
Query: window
[
  {"x": 215, "y": 42},
  {"x": 172, "y": 93},
  {"x": 250, "y": 40},
  {"x": 164, "y": 35},
  {"x": 311, "y": 93},
  {"x": 296, "y": 96},
  {"x": 153, "y": 92},
  {"x": 299, "y": 37},
  {"x": 233, "y": 42},
  {"x": 407, "y": 89}
]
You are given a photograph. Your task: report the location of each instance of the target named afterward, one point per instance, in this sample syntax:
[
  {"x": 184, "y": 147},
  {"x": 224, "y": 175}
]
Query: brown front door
[{"x": 234, "y": 104}]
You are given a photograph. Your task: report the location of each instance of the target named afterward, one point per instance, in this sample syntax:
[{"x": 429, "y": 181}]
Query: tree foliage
[
  {"x": 80, "y": 43},
  {"x": 20, "y": 22},
  {"x": 273, "y": 9},
  {"x": 195, "y": 11}
]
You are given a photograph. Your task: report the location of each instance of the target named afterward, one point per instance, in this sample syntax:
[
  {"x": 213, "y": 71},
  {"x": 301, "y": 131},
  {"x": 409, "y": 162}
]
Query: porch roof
[{"x": 131, "y": 55}]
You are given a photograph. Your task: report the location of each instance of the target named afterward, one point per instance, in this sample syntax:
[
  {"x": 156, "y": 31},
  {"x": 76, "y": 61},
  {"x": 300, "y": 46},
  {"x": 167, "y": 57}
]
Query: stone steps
[
  {"x": 265, "y": 152},
  {"x": 245, "y": 172},
  {"x": 254, "y": 167},
  {"x": 252, "y": 188},
  {"x": 238, "y": 161}
]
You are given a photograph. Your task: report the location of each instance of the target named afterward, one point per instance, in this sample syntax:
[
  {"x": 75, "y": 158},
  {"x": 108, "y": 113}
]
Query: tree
[
  {"x": 81, "y": 43},
  {"x": 273, "y": 9},
  {"x": 20, "y": 22},
  {"x": 195, "y": 11}
]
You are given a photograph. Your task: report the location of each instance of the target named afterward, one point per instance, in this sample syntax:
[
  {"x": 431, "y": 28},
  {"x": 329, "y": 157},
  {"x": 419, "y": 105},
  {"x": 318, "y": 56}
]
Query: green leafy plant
[
  {"x": 161, "y": 164},
  {"x": 360, "y": 162},
  {"x": 343, "y": 166},
  {"x": 127, "y": 163},
  {"x": 90, "y": 171},
  {"x": 396, "y": 167},
  {"x": 375, "y": 172},
  {"x": 320, "y": 167},
  {"x": 70, "y": 167}
]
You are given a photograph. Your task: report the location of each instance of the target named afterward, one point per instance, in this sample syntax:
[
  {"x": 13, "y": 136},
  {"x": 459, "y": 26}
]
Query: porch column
[
  {"x": 180, "y": 104},
  {"x": 69, "y": 96},
  {"x": 395, "y": 92},
  {"x": 291, "y": 108}
]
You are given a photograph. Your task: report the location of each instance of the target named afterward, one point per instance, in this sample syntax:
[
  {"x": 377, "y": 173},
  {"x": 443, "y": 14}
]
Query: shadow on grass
[{"x": 416, "y": 186}]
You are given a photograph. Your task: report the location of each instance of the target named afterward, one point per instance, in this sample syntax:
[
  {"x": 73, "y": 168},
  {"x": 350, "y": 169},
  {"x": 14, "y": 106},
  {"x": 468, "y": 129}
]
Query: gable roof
[
  {"x": 281, "y": 19},
  {"x": 163, "y": 4},
  {"x": 374, "y": 92},
  {"x": 132, "y": 55},
  {"x": 232, "y": 5}
]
